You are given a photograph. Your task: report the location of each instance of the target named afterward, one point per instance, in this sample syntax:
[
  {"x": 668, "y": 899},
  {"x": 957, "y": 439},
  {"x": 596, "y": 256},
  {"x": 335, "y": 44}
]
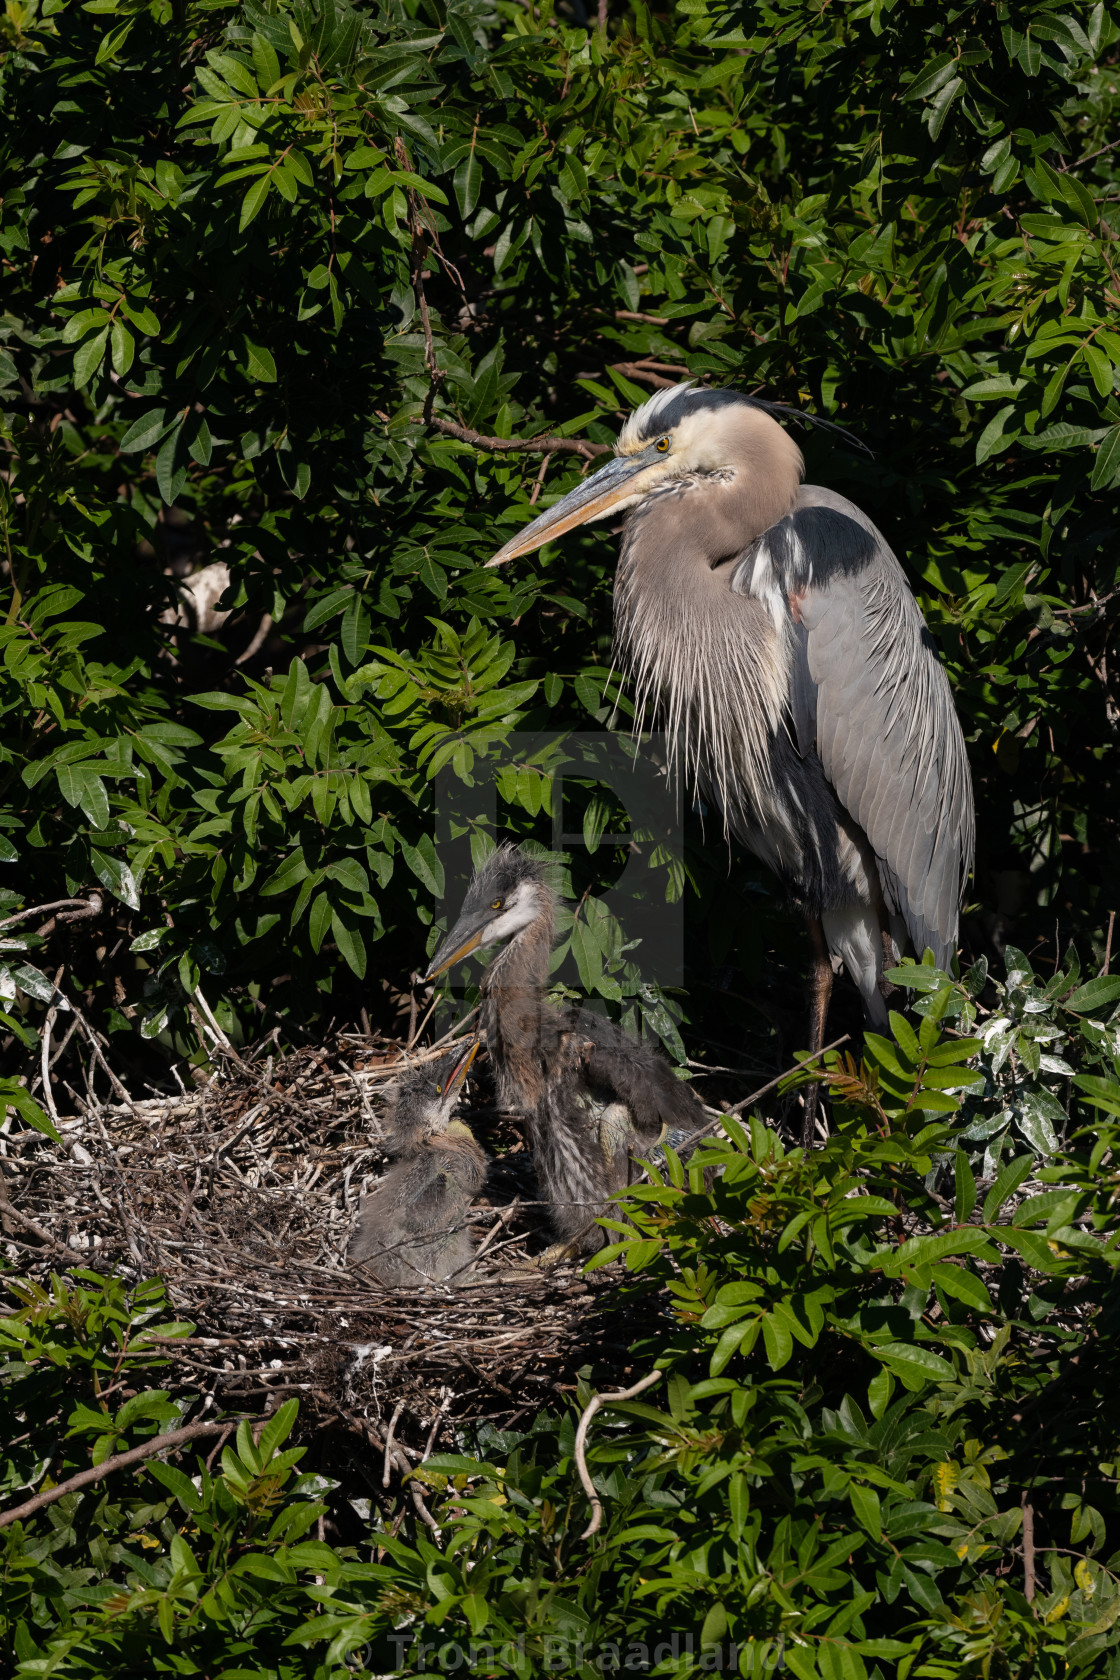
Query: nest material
[{"x": 242, "y": 1196}]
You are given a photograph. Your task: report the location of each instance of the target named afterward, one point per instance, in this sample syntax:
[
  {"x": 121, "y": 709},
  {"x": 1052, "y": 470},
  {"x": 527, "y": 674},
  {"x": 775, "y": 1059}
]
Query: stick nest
[{"x": 242, "y": 1196}]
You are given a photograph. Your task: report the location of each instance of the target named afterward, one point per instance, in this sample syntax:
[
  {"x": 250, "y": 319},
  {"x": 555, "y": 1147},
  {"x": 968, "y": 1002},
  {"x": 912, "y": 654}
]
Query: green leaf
[
  {"x": 260, "y": 363},
  {"x": 424, "y": 863},
  {"x": 88, "y": 357},
  {"x": 171, "y": 472},
  {"x": 14, "y": 1095},
  {"x": 1093, "y": 995},
  {"x": 468, "y": 183},
  {"x": 777, "y": 1340},
  {"x": 915, "y": 1365},
  {"x": 277, "y": 1429},
  {"x": 253, "y": 202},
  {"x": 1009, "y": 1180},
  {"x": 117, "y": 876},
  {"x": 319, "y": 920},
  {"x": 123, "y": 347},
  {"x": 964, "y": 1286},
  {"x": 1035, "y": 1114},
  {"x": 934, "y": 75},
  {"x": 865, "y": 1506},
  {"x": 1102, "y": 1093},
  {"x": 289, "y": 874},
  {"x": 147, "y": 431},
  {"x": 923, "y": 1251},
  {"x": 349, "y": 941}
]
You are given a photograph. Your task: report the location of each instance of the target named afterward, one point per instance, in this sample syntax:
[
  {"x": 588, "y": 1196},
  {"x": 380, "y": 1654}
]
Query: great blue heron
[
  {"x": 775, "y": 630},
  {"x": 592, "y": 1095},
  {"x": 410, "y": 1228}
]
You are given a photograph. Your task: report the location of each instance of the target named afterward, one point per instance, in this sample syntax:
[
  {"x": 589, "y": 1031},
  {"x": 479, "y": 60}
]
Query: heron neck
[
  {"x": 709, "y": 661},
  {"x": 512, "y": 1003}
]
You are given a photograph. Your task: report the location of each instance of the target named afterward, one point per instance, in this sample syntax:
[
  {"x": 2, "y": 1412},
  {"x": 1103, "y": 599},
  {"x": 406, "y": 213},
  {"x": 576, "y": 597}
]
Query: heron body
[
  {"x": 411, "y": 1228},
  {"x": 773, "y": 628},
  {"x": 592, "y": 1096}
]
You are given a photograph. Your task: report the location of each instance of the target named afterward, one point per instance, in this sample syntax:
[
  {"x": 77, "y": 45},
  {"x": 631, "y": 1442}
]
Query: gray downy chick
[{"x": 411, "y": 1229}]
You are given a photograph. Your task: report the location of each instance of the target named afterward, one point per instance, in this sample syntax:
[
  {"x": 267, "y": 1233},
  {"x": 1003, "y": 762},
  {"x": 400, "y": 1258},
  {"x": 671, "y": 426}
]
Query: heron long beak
[
  {"x": 462, "y": 1068},
  {"x": 465, "y": 937},
  {"x": 609, "y": 488}
]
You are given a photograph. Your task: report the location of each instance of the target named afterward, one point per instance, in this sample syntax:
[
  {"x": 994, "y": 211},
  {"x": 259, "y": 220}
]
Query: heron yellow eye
[
  {"x": 497, "y": 904},
  {"x": 662, "y": 446}
]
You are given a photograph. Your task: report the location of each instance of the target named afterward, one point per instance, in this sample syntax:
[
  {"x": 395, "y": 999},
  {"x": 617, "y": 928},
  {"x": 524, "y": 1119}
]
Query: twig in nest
[
  {"x": 503, "y": 1220},
  {"x": 422, "y": 1509},
  {"x": 415, "y": 1031},
  {"x": 539, "y": 445},
  {"x": 119, "y": 1461},
  {"x": 215, "y": 1028},
  {"x": 593, "y": 1405},
  {"x": 436, "y": 1421},
  {"x": 91, "y": 1039},
  {"x": 45, "y": 1062},
  {"x": 218, "y": 1445},
  {"x": 8, "y": 1212},
  {"x": 387, "y": 1464}
]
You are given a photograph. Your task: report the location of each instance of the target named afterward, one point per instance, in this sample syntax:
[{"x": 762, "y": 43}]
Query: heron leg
[{"x": 820, "y": 991}]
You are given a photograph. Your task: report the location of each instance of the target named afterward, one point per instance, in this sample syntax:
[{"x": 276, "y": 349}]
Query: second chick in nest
[{"x": 411, "y": 1228}]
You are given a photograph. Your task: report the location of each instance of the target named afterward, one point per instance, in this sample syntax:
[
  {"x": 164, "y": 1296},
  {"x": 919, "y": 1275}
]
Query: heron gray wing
[{"x": 868, "y": 691}]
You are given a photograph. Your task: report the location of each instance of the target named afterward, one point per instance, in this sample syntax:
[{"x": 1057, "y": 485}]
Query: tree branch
[
  {"x": 1029, "y": 1579},
  {"x": 539, "y": 445},
  {"x": 119, "y": 1461},
  {"x": 84, "y": 908},
  {"x": 580, "y": 1454}
]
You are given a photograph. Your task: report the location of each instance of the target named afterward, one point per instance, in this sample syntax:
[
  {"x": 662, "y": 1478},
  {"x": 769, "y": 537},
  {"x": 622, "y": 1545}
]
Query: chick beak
[
  {"x": 462, "y": 1068},
  {"x": 465, "y": 937}
]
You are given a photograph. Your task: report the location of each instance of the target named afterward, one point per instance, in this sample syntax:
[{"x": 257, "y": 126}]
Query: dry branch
[
  {"x": 534, "y": 446},
  {"x": 592, "y": 1407},
  {"x": 119, "y": 1461},
  {"x": 76, "y": 910}
]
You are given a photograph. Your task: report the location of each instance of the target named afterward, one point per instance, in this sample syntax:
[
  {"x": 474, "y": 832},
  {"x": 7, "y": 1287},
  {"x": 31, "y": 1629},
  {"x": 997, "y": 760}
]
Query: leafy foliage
[
  {"x": 881, "y": 1444},
  {"x": 265, "y": 244},
  {"x": 265, "y": 265},
  {"x": 207, "y": 1569}
]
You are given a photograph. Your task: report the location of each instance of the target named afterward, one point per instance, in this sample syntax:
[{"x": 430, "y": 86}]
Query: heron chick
[
  {"x": 592, "y": 1096},
  {"x": 410, "y": 1228}
]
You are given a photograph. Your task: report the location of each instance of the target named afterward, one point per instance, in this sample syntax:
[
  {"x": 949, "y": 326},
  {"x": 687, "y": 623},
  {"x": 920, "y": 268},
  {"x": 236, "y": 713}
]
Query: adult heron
[{"x": 772, "y": 626}]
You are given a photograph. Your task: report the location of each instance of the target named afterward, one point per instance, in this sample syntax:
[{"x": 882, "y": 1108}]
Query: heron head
[
  {"x": 681, "y": 437},
  {"x": 423, "y": 1100},
  {"x": 508, "y": 893}
]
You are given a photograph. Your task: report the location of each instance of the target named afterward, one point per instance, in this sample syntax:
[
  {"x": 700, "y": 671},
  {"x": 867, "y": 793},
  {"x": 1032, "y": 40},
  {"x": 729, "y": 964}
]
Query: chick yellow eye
[
  {"x": 439, "y": 1090},
  {"x": 497, "y": 904},
  {"x": 662, "y": 446}
]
